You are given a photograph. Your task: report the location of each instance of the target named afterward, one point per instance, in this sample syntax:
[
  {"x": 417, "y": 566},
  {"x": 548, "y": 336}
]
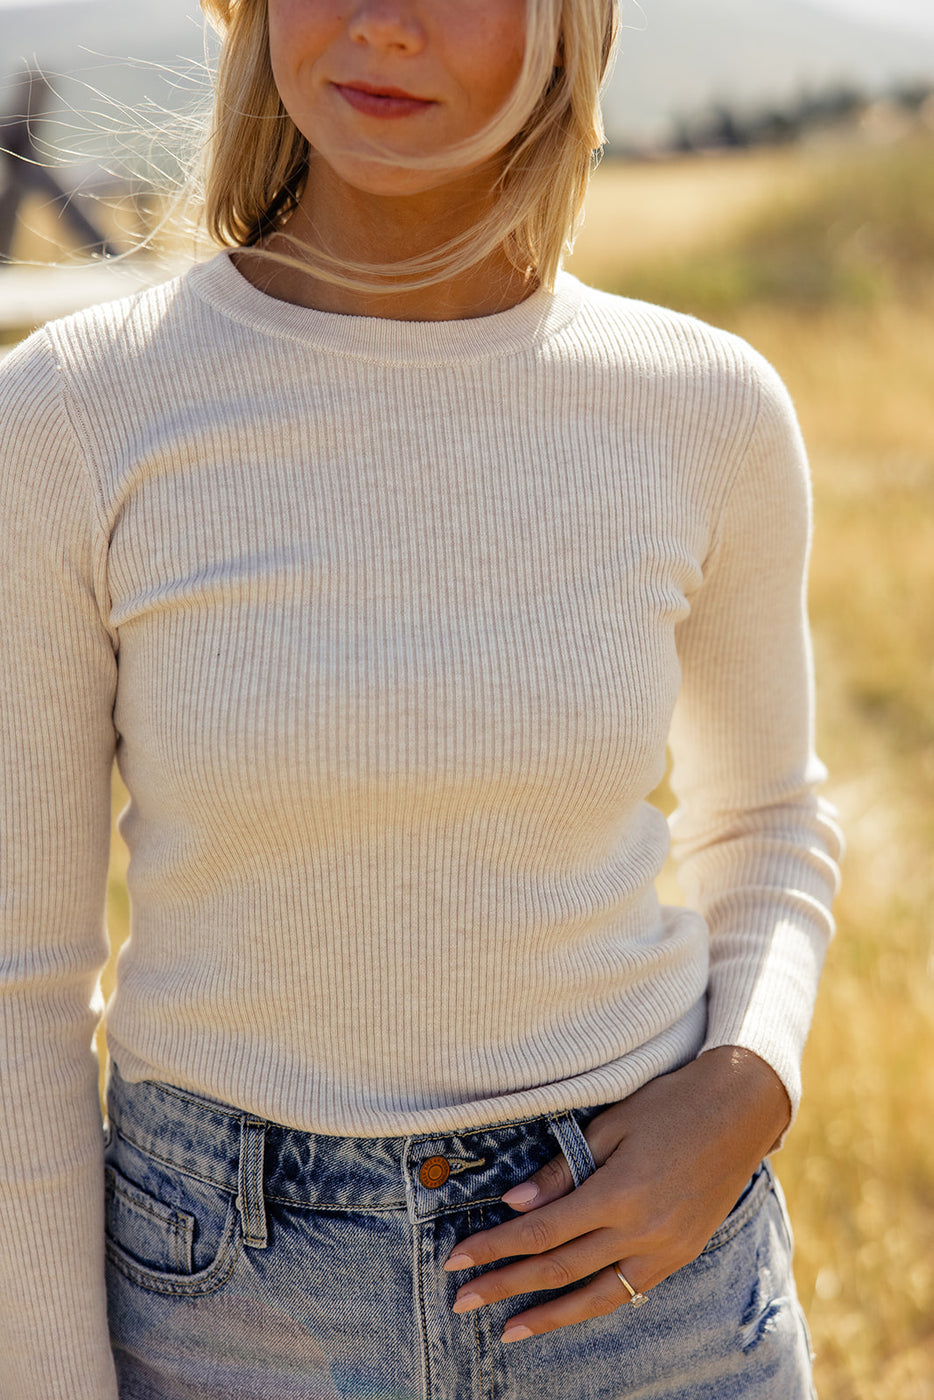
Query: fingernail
[
  {"x": 458, "y": 1261},
  {"x": 516, "y": 1334},
  {"x": 522, "y": 1195},
  {"x": 467, "y": 1302}
]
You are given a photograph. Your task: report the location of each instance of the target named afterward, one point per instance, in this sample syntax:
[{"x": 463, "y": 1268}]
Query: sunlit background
[{"x": 770, "y": 168}]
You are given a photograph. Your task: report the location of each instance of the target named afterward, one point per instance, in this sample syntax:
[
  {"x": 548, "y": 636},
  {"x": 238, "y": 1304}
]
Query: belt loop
[
  {"x": 250, "y": 1200},
  {"x": 574, "y": 1145}
]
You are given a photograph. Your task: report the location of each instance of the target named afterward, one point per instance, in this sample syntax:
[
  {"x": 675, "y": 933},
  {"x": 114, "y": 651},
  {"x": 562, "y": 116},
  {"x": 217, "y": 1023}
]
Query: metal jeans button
[{"x": 434, "y": 1172}]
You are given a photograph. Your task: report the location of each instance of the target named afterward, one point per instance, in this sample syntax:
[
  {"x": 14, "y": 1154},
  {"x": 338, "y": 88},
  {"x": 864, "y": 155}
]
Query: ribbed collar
[{"x": 374, "y": 338}]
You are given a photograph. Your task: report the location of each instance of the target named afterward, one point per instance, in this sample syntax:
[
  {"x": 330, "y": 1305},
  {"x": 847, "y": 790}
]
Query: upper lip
[{"x": 383, "y": 90}]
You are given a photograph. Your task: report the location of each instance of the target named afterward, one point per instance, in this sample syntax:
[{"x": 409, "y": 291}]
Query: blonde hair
[{"x": 256, "y": 161}]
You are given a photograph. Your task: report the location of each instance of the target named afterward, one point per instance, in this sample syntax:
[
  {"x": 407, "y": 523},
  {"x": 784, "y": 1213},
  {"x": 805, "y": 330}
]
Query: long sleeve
[
  {"x": 757, "y": 849},
  {"x": 57, "y": 688}
]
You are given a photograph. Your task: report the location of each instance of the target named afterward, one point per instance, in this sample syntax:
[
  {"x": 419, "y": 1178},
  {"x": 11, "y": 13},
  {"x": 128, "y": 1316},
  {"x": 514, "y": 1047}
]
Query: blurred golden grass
[
  {"x": 824, "y": 259},
  {"x": 831, "y": 274}
]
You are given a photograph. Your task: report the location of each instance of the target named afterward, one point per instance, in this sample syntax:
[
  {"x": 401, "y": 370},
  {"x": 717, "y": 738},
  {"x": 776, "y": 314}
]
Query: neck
[{"x": 383, "y": 230}]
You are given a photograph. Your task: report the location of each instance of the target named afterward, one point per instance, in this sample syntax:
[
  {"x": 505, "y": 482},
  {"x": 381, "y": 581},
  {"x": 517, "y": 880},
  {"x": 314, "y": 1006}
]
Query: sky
[
  {"x": 919, "y": 12},
  {"x": 879, "y": 11}
]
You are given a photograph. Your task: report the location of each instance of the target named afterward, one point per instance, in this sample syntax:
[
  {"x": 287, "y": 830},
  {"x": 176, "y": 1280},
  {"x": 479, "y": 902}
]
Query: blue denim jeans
[{"x": 246, "y": 1259}]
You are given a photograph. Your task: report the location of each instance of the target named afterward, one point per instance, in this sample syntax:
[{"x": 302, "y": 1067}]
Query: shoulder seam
[
  {"x": 741, "y": 455},
  {"x": 70, "y": 408}
]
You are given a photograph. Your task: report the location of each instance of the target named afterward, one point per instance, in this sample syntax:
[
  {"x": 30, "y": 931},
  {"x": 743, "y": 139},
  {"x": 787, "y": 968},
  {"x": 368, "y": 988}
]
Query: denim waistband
[{"x": 427, "y": 1174}]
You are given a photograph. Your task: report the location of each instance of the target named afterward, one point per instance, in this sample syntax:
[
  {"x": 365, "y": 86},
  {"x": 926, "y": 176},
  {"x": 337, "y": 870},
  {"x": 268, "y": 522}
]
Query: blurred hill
[{"x": 678, "y": 57}]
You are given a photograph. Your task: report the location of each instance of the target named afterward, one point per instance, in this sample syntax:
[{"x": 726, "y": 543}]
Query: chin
[{"x": 388, "y": 181}]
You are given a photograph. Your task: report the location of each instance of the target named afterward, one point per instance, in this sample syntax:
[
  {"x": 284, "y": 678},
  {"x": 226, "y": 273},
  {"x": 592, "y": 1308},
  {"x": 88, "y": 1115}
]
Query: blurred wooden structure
[{"x": 23, "y": 171}]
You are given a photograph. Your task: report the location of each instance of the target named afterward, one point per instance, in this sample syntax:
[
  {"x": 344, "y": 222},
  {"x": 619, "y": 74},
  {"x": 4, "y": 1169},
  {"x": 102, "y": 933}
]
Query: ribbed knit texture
[{"x": 386, "y": 623}]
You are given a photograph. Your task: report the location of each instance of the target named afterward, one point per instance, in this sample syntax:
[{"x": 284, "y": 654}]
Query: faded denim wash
[{"x": 250, "y": 1261}]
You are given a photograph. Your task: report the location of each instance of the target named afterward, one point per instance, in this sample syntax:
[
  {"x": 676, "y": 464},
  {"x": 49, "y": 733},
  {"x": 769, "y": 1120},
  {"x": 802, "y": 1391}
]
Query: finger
[
  {"x": 539, "y": 1230},
  {"x": 549, "y": 1183},
  {"x": 602, "y": 1295},
  {"x": 559, "y": 1269}
]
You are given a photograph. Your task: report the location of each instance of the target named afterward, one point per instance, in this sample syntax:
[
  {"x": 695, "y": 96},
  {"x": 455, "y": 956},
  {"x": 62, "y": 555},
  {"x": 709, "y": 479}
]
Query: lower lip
[{"x": 371, "y": 104}]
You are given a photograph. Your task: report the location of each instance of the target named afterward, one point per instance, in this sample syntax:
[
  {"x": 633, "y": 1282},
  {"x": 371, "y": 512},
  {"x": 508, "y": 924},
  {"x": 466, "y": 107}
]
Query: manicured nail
[
  {"x": 458, "y": 1261},
  {"x": 467, "y": 1302},
  {"x": 522, "y": 1195},
  {"x": 516, "y": 1334}
]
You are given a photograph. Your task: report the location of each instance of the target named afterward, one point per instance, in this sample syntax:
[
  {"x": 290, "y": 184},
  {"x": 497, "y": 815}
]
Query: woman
[{"x": 379, "y": 551}]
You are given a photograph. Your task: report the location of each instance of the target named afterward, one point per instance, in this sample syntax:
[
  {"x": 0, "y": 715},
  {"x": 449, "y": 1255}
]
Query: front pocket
[
  {"x": 167, "y": 1231},
  {"x": 156, "y": 1236},
  {"x": 760, "y": 1187}
]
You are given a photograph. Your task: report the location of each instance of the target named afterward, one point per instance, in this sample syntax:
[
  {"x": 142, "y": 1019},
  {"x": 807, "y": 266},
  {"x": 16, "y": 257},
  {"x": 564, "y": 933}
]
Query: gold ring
[{"x": 636, "y": 1299}]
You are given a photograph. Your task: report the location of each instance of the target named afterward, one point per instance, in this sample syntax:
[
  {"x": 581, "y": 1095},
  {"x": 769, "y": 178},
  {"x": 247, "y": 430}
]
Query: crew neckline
[{"x": 537, "y": 318}]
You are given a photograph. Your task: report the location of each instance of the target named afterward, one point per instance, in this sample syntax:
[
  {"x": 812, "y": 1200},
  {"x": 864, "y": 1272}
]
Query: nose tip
[{"x": 386, "y": 24}]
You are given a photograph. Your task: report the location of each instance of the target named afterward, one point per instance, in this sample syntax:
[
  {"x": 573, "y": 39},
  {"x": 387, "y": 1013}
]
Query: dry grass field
[{"x": 824, "y": 259}]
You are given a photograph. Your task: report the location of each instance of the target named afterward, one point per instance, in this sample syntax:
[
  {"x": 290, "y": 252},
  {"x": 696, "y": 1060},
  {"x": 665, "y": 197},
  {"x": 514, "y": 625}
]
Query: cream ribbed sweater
[{"x": 386, "y": 623}]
